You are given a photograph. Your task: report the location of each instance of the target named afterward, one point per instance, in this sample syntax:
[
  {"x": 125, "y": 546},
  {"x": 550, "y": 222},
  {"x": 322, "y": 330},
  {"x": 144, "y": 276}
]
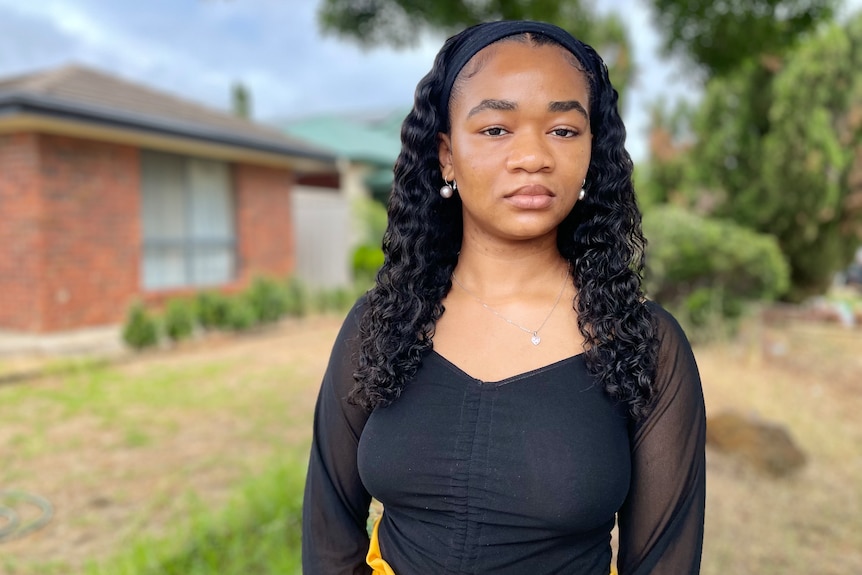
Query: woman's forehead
[
  {"x": 521, "y": 67},
  {"x": 521, "y": 44}
]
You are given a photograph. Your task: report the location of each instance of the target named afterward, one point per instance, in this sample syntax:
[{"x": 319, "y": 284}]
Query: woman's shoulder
[
  {"x": 358, "y": 309},
  {"x": 677, "y": 379},
  {"x": 343, "y": 358},
  {"x": 670, "y": 332},
  {"x": 349, "y": 332}
]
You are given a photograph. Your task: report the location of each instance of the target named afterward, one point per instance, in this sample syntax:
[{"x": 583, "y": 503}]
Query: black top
[{"x": 523, "y": 475}]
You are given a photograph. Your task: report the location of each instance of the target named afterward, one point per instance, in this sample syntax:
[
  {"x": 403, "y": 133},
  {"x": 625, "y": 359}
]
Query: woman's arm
[
  {"x": 661, "y": 522},
  {"x": 335, "y": 506}
]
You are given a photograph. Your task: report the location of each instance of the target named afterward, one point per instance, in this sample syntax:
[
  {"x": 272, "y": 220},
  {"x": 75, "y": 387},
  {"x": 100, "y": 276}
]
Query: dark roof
[{"x": 81, "y": 93}]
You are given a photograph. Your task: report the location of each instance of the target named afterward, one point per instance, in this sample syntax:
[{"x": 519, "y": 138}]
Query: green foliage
[
  {"x": 779, "y": 147},
  {"x": 399, "y": 23},
  {"x": 669, "y": 176},
  {"x": 268, "y": 298},
  {"x": 366, "y": 261},
  {"x": 241, "y": 315},
  {"x": 241, "y": 100},
  {"x": 212, "y": 309},
  {"x": 299, "y": 300},
  {"x": 335, "y": 299},
  {"x": 258, "y": 532},
  {"x": 141, "y": 329},
  {"x": 179, "y": 319},
  {"x": 720, "y": 36},
  {"x": 367, "y": 258},
  {"x": 370, "y": 220},
  {"x": 704, "y": 267}
]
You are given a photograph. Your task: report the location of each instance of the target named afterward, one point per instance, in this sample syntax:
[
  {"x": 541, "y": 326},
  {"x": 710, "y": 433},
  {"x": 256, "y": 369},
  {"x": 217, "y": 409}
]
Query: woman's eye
[
  {"x": 564, "y": 132},
  {"x": 495, "y": 131}
]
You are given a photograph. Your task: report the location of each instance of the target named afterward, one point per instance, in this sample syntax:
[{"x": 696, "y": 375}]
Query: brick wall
[
  {"x": 70, "y": 231},
  {"x": 92, "y": 231},
  {"x": 265, "y": 239},
  {"x": 20, "y": 233}
]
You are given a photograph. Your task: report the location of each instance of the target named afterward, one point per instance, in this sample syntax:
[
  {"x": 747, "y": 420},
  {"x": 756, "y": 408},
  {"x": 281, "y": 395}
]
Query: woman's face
[{"x": 520, "y": 140}]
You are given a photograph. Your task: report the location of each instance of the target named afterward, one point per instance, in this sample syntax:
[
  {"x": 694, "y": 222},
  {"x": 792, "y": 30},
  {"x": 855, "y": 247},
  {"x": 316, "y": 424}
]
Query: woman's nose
[{"x": 529, "y": 152}]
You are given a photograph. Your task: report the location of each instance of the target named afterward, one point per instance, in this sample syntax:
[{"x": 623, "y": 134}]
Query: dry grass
[
  {"x": 809, "y": 379},
  {"x": 123, "y": 450},
  {"x": 129, "y": 449}
]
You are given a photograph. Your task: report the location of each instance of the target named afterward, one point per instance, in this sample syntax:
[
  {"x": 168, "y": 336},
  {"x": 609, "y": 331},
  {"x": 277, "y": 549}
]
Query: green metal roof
[{"x": 374, "y": 140}]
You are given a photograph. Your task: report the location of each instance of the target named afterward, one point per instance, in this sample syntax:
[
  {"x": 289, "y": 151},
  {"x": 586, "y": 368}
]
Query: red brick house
[{"x": 111, "y": 192}]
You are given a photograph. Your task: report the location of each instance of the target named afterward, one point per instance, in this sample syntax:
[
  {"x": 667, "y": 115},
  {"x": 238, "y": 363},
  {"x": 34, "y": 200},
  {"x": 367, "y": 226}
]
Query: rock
[{"x": 766, "y": 446}]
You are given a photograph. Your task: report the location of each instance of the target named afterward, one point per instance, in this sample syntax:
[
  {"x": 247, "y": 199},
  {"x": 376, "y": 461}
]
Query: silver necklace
[{"x": 534, "y": 333}]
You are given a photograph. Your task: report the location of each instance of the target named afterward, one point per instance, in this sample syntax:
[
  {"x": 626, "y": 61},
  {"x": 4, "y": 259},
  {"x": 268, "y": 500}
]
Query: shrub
[
  {"x": 370, "y": 219},
  {"x": 298, "y": 301},
  {"x": 706, "y": 269},
  {"x": 268, "y": 298},
  {"x": 212, "y": 310},
  {"x": 367, "y": 260},
  {"x": 334, "y": 299},
  {"x": 141, "y": 329},
  {"x": 240, "y": 314},
  {"x": 179, "y": 319}
]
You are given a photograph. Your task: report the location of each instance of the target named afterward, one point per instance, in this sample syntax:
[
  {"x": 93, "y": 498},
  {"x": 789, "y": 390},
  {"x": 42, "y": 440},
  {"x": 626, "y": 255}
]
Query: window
[{"x": 188, "y": 221}]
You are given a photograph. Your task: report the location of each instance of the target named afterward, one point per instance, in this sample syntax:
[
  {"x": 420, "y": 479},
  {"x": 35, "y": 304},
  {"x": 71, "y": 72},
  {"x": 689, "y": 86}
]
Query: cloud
[
  {"x": 198, "y": 48},
  {"x": 26, "y": 42}
]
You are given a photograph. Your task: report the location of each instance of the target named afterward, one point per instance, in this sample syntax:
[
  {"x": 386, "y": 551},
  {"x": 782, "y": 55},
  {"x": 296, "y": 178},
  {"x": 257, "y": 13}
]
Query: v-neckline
[{"x": 512, "y": 378}]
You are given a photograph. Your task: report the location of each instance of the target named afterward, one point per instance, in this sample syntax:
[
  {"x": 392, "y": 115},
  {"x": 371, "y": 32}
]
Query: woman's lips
[{"x": 532, "y": 197}]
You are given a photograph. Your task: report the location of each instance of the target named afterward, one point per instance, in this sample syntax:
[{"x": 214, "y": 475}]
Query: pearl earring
[
  {"x": 448, "y": 189},
  {"x": 583, "y": 193}
]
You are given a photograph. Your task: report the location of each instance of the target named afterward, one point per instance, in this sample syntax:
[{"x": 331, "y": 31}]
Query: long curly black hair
[{"x": 601, "y": 238}]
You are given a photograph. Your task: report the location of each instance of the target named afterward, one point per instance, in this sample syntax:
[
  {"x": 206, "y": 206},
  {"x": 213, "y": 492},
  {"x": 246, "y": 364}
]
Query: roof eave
[{"x": 15, "y": 103}]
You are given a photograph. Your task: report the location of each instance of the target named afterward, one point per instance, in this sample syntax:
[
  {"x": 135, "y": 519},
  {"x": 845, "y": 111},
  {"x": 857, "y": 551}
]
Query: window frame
[{"x": 188, "y": 242}]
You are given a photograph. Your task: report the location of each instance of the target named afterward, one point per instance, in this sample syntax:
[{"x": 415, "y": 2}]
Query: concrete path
[{"x": 105, "y": 340}]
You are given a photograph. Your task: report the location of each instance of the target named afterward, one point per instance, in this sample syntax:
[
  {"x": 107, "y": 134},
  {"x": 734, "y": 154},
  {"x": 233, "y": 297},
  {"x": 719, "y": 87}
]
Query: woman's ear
[{"x": 444, "y": 152}]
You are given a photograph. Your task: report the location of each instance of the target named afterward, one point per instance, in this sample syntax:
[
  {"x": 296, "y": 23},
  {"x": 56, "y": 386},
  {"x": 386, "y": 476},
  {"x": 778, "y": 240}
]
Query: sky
[{"x": 197, "y": 49}]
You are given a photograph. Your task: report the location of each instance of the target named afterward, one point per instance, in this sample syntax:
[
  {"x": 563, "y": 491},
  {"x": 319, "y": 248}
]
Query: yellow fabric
[
  {"x": 381, "y": 567},
  {"x": 374, "y": 560}
]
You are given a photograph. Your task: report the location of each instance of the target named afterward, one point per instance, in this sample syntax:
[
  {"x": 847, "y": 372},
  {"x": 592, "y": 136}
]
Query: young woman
[{"x": 505, "y": 390}]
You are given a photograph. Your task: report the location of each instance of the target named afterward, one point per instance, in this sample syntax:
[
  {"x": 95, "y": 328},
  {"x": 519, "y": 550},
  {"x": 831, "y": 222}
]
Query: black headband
[{"x": 466, "y": 44}]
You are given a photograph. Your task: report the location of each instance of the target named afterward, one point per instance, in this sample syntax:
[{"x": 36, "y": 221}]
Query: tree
[
  {"x": 241, "y": 100},
  {"x": 775, "y": 144},
  {"x": 399, "y": 23},
  {"x": 667, "y": 177},
  {"x": 782, "y": 145},
  {"x": 719, "y": 36}
]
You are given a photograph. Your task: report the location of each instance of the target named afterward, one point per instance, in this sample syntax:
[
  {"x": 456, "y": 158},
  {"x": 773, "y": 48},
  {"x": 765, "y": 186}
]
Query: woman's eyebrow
[
  {"x": 491, "y": 104},
  {"x": 508, "y": 105},
  {"x": 567, "y": 106}
]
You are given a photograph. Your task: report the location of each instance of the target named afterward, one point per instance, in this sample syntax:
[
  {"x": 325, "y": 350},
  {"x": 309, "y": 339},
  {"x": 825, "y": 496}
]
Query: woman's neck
[{"x": 500, "y": 270}]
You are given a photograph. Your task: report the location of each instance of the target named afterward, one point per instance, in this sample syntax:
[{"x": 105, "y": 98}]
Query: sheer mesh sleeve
[
  {"x": 335, "y": 505},
  {"x": 661, "y": 522}
]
